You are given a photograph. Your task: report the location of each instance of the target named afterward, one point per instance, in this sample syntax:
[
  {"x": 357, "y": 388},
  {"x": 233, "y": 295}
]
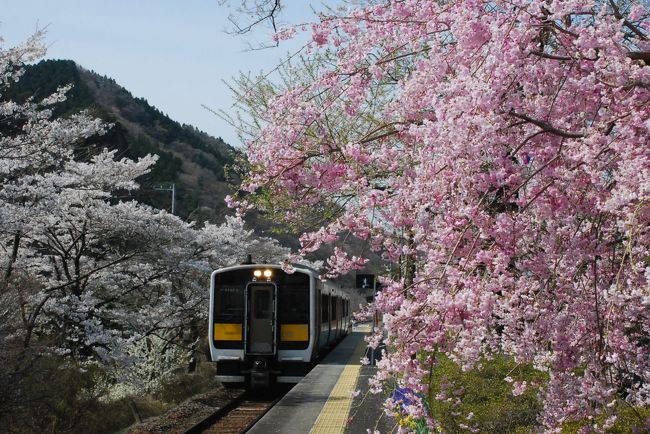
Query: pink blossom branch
[{"x": 626, "y": 23}]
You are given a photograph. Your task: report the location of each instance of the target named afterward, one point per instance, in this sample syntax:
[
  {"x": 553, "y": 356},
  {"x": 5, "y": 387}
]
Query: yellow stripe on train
[
  {"x": 227, "y": 332},
  {"x": 294, "y": 332}
]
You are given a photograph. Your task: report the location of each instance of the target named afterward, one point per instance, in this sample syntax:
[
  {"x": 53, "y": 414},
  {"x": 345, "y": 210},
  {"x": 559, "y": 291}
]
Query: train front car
[{"x": 262, "y": 324}]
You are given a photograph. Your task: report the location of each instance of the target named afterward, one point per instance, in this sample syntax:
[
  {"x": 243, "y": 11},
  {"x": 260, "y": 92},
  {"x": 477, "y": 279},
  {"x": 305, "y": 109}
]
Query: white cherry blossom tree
[{"x": 87, "y": 281}]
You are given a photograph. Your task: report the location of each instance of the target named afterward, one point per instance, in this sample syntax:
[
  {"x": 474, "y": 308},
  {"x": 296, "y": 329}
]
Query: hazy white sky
[{"x": 173, "y": 53}]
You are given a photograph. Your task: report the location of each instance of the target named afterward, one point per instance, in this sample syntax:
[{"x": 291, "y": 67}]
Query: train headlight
[
  {"x": 268, "y": 274},
  {"x": 257, "y": 273}
]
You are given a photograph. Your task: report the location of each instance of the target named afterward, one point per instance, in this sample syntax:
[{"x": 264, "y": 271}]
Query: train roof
[
  {"x": 297, "y": 267},
  {"x": 328, "y": 286}
]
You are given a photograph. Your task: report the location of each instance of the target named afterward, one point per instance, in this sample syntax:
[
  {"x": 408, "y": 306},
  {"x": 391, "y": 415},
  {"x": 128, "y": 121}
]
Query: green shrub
[
  {"x": 483, "y": 393},
  {"x": 629, "y": 420},
  {"x": 481, "y": 398}
]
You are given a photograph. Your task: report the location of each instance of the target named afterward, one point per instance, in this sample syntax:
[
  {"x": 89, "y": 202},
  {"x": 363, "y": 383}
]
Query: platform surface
[{"x": 322, "y": 402}]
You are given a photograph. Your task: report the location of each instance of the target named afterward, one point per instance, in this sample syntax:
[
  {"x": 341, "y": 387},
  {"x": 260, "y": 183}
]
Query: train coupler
[{"x": 260, "y": 379}]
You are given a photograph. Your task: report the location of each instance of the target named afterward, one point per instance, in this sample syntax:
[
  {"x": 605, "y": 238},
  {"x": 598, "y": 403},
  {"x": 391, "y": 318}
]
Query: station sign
[{"x": 365, "y": 281}]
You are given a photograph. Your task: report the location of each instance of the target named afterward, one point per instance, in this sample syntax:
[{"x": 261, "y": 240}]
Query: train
[{"x": 268, "y": 326}]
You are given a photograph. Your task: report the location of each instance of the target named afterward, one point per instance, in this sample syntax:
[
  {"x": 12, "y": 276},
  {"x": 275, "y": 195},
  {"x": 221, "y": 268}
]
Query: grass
[
  {"x": 487, "y": 397},
  {"x": 481, "y": 398},
  {"x": 630, "y": 420}
]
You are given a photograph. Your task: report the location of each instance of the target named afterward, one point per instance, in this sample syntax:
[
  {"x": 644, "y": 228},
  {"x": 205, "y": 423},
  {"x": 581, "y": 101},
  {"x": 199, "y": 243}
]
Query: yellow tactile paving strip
[{"x": 334, "y": 415}]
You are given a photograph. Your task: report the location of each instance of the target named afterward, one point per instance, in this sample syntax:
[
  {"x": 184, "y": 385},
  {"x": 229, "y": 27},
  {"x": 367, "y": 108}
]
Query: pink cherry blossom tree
[{"x": 500, "y": 152}]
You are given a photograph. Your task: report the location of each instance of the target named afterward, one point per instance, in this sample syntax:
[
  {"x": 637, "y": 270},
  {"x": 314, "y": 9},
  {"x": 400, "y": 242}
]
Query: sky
[{"x": 173, "y": 53}]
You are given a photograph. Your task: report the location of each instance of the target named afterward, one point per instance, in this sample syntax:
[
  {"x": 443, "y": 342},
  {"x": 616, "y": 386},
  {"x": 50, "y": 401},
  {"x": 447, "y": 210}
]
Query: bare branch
[
  {"x": 256, "y": 12},
  {"x": 634, "y": 55},
  {"x": 547, "y": 126},
  {"x": 640, "y": 55},
  {"x": 550, "y": 56}
]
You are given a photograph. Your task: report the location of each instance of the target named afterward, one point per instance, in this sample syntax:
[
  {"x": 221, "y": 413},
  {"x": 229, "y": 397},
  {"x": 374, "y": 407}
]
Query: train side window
[
  {"x": 325, "y": 308},
  {"x": 334, "y": 303}
]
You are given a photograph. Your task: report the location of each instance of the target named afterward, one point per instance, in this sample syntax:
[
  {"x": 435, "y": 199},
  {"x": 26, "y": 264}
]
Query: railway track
[{"x": 240, "y": 414}]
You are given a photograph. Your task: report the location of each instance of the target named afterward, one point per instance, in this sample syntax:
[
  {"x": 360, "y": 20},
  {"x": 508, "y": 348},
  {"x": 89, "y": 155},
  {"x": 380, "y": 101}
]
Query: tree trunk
[{"x": 12, "y": 261}]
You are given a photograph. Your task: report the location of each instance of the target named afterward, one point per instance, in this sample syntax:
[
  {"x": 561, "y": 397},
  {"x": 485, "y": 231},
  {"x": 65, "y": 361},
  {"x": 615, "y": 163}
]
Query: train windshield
[
  {"x": 293, "y": 300},
  {"x": 229, "y": 296},
  {"x": 293, "y": 296}
]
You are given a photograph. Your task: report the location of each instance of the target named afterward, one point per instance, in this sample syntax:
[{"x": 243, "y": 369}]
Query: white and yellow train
[{"x": 268, "y": 326}]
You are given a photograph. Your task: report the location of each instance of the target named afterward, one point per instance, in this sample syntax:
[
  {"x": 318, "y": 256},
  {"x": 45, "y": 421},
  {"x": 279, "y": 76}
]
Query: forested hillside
[{"x": 190, "y": 158}]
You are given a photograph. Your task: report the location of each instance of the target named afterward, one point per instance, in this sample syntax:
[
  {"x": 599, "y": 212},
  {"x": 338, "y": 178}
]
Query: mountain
[{"x": 191, "y": 159}]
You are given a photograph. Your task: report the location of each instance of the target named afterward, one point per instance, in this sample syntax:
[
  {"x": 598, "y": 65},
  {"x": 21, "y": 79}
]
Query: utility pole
[
  {"x": 375, "y": 322},
  {"x": 171, "y": 188}
]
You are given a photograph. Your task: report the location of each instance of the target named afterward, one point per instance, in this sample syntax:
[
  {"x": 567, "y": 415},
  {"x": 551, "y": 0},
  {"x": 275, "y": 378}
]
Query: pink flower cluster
[{"x": 502, "y": 150}]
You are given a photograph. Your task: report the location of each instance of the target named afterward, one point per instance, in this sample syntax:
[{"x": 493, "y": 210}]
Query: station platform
[{"x": 322, "y": 403}]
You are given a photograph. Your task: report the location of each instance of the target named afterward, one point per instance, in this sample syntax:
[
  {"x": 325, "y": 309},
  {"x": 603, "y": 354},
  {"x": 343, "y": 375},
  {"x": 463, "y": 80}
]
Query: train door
[{"x": 261, "y": 313}]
